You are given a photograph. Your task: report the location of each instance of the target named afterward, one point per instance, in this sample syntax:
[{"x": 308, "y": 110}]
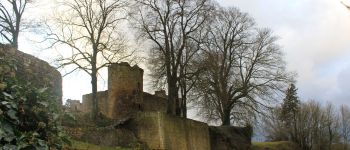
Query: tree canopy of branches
[
  {"x": 317, "y": 126},
  {"x": 90, "y": 29},
  {"x": 11, "y": 13},
  {"x": 344, "y": 124},
  {"x": 244, "y": 68},
  {"x": 171, "y": 26}
]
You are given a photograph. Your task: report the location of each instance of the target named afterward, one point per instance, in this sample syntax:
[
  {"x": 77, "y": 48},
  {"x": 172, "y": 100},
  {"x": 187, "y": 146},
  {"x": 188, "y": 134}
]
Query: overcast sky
[{"x": 314, "y": 35}]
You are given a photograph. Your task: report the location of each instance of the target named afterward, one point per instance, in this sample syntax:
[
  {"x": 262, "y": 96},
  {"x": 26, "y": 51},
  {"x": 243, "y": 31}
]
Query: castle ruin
[
  {"x": 125, "y": 95},
  {"x": 150, "y": 123}
]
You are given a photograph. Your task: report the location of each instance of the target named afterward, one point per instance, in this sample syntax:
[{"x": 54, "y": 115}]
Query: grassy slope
[
  {"x": 282, "y": 145},
  {"x": 76, "y": 145}
]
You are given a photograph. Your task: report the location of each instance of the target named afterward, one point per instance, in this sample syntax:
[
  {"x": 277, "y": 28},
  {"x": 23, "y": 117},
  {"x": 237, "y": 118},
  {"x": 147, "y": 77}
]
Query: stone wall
[
  {"x": 150, "y": 103},
  {"x": 159, "y": 131},
  {"x": 230, "y": 138},
  {"x": 125, "y": 95},
  {"x": 154, "y": 103},
  {"x": 103, "y": 103},
  {"x": 36, "y": 71},
  {"x": 164, "y": 132},
  {"x": 104, "y": 136},
  {"x": 125, "y": 89},
  {"x": 73, "y": 106}
]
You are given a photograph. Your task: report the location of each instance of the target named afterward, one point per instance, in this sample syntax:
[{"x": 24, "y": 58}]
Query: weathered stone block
[
  {"x": 125, "y": 89},
  {"x": 230, "y": 138},
  {"x": 105, "y": 136},
  {"x": 103, "y": 103},
  {"x": 163, "y": 132}
]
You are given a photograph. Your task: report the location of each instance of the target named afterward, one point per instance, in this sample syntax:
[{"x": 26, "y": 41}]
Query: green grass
[
  {"x": 77, "y": 145},
  {"x": 281, "y": 145}
]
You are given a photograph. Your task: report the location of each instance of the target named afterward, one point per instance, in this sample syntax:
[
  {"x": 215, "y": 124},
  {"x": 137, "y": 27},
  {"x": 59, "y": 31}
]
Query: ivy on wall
[{"x": 29, "y": 116}]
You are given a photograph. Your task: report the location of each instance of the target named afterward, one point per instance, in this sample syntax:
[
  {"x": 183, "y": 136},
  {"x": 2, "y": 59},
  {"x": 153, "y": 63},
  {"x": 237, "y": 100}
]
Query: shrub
[{"x": 29, "y": 116}]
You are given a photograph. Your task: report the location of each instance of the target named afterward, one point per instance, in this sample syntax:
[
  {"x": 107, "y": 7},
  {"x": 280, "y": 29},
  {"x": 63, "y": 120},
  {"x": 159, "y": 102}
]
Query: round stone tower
[{"x": 125, "y": 88}]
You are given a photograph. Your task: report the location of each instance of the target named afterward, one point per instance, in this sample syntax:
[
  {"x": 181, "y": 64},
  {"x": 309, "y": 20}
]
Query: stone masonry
[
  {"x": 149, "y": 124},
  {"x": 34, "y": 71},
  {"x": 143, "y": 115},
  {"x": 125, "y": 95}
]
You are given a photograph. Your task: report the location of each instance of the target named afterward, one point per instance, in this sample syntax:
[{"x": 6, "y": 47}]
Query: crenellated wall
[{"x": 125, "y": 95}]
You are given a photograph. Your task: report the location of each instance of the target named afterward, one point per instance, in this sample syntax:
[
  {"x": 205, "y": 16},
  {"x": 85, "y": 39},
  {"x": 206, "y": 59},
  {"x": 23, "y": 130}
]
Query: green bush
[{"x": 29, "y": 116}]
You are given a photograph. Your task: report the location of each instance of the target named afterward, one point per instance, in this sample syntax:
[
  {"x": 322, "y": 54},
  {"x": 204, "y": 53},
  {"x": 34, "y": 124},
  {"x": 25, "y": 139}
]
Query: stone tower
[{"x": 125, "y": 88}]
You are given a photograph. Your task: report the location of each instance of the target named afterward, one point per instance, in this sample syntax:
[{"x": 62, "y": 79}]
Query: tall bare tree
[
  {"x": 344, "y": 121},
  {"x": 90, "y": 29},
  {"x": 170, "y": 25},
  {"x": 11, "y": 12},
  {"x": 189, "y": 71},
  {"x": 244, "y": 67}
]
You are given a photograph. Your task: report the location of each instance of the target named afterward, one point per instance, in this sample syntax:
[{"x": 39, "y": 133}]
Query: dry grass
[
  {"x": 77, "y": 145},
  {"x": 281, "y": 145}
]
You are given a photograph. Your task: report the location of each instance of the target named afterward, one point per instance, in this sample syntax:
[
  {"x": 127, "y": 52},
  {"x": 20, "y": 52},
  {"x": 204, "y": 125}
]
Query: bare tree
[
  {"x": 347, "y": 6},
  {"x": 317, "y": 126},
  {"x": 11, "y": 12},
  {"x": 330, "y": 121},
  {"x": 89, "y": 28},
  {"x": 244, "y": 67},
  {"x": 344, "y": 119},
  {"x": 274, "y": 127},
  {"x": 170, "y": 26}
]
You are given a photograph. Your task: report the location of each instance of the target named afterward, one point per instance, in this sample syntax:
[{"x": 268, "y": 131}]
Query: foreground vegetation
[
  {"x": 29, "y": 116},
  {"x": 285, "y": 145},
  {"x": 311, "y": 125}
]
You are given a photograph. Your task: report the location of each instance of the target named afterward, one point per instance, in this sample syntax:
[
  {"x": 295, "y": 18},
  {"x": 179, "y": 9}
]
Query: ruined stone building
[
  {"x": 150, "y": 124},
  {"x": 124, "y": 96}
]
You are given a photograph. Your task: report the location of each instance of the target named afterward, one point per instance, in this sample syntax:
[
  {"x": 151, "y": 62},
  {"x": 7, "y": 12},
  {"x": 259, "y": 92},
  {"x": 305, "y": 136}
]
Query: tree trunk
[
  {"x": 95, "y": 110},
  {"x": 15, "y": 40},
  {"x": 94, "y": 95},
  {"x": 226, "y": 121},
  {"x": 172, "y": 96},
  {"x": 177, "y": 104},
  {"x": 183, "y": 106},
  {"x": 15, "y": 33}
]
